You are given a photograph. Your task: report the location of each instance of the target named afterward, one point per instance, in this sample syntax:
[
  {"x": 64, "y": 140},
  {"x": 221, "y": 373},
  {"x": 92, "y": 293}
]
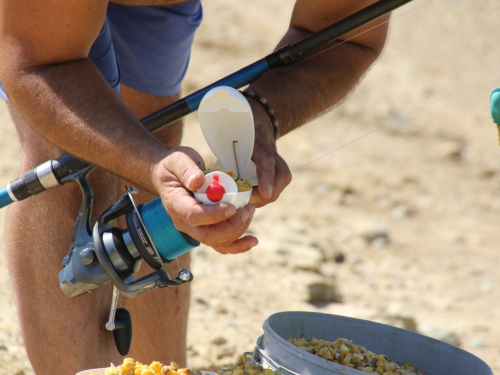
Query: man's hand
[
  {"x": 272, "y": 171},
  {"x": 219, "y": 226}
]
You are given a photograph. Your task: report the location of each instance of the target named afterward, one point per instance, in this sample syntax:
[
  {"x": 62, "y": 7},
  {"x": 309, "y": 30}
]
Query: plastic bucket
[{"x": 425, "y": 354}]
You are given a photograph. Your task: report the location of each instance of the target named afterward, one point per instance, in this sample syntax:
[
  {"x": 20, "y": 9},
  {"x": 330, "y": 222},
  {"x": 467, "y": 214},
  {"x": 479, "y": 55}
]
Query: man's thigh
[{"x": 62, "y": 335}]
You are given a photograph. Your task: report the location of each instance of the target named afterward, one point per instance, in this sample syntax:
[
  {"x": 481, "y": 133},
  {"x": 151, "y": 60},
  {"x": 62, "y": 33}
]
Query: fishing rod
[
  {"x": 59, "y": 171},
  {"x": 107, "y": 253}
]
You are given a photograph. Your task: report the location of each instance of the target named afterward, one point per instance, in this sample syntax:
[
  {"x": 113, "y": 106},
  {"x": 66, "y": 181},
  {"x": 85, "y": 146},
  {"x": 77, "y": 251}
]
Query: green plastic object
[{"x": 495, "y": 105}]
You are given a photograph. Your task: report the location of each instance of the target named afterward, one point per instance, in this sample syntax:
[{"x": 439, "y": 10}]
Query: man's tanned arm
[
  {"x": 316, "y": 85},
  {"x": 49, "y": 79},
  {"x": 46, "y": 73},
  {"x": 304, "y": 91}
]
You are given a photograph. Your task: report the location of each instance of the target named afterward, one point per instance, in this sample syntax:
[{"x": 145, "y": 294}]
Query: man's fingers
[
  {"x": 204, "y": 214},
  {"x": 189, "y": 211},
  {"x": 224, "y": 233},
  {"x": 266, "y": 166},
  {"x": 187, "y": 166},
  {"x": 220, "y": 226},
  {"x": 241, "y": 245},
  {"x": 281, "y": 178}
]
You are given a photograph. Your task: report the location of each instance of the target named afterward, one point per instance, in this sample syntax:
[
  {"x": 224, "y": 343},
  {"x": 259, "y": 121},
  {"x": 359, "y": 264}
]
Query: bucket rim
[{"x": 363, "y": 323}]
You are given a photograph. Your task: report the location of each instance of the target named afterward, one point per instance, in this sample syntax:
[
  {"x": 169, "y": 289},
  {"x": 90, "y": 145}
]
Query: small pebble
[
  {"x": 442, "y": 334},
  {"x": 478, "y": 343},
  {"x": 219, "y": 341},
  {"x": 323, "y": 292},
  {"x": 375, "y": 232}
]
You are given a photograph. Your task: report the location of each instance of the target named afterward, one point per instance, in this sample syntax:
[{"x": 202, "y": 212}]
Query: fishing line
[
  {"x": 363, "y": 32},
  {"x": 195, "y": 256},
  {"x": 402, "y": 117}
]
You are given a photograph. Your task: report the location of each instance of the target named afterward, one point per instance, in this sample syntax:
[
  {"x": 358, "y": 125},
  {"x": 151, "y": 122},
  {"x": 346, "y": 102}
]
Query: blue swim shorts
[{"x": 146, "y": 48}]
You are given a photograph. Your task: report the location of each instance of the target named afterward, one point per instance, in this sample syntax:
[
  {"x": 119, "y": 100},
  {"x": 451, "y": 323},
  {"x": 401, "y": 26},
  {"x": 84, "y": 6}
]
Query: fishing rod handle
[{"x": 39, "y": 179}]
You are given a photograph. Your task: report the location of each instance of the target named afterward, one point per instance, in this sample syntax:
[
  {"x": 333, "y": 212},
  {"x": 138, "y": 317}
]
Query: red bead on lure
[{"x": 215, "y": 191}]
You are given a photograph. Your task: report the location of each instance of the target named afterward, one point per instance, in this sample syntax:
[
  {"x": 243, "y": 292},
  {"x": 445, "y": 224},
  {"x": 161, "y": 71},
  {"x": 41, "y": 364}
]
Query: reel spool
[{"x": 108, "y": 253}]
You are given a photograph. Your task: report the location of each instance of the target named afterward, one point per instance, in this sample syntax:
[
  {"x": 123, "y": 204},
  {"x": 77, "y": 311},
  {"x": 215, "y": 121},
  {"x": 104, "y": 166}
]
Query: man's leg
[
  {"x": 159, "y": 317},
  {"x": 65, "y": 335},
  {"x": 62, "y": 335}
]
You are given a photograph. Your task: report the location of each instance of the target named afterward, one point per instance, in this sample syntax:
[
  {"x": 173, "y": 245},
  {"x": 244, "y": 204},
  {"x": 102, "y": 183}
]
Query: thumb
[
  {"x": 195, "y": 180},
  {"x": 187, "y": 166}
]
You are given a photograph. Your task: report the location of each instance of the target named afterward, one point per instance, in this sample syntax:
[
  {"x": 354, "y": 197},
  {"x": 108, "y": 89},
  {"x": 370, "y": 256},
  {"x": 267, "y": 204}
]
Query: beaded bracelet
[{"x": 270, "y": 112}]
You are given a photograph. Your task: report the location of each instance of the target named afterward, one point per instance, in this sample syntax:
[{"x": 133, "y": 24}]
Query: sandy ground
[{"x": 394, "y": 206}]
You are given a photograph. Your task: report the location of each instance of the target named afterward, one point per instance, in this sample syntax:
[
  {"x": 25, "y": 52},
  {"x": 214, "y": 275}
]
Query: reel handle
[
  {"x": 120, "y": 323},
  {"x": 122, "y": 332}
]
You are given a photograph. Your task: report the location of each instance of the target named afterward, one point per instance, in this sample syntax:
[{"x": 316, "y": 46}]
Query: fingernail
[
  {"x": 269, "y": 191},
  {"x": 230, "y": 212},
  {"x": 251, "y": 209},
  {"x": 244, "y": 216},
  {"x": 190, "y": 179}
]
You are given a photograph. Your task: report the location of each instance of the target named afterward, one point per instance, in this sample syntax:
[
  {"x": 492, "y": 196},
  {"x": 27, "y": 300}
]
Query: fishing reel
[{"x": 108, "y": 253}]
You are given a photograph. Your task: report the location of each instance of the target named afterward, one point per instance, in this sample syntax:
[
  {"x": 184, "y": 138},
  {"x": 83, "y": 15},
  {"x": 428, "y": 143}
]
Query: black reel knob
[{"x": 123, "y": 331}]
